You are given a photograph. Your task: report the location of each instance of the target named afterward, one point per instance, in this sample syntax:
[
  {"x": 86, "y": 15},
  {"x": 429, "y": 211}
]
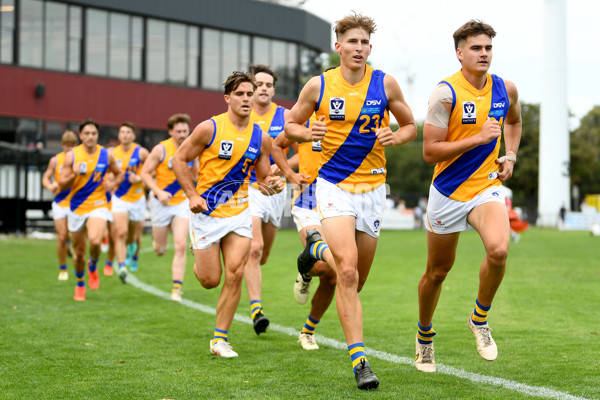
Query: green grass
[{"x": 124, "y": 343}]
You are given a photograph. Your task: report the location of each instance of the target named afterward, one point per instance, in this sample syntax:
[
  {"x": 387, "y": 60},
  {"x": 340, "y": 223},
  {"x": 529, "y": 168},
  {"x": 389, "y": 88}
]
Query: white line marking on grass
[{"x": 473, "y": 377}]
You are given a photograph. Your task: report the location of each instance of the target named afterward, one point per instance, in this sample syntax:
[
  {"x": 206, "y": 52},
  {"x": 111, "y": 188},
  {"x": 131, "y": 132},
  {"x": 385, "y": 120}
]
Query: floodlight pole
[{"x": 554, "y": 175}]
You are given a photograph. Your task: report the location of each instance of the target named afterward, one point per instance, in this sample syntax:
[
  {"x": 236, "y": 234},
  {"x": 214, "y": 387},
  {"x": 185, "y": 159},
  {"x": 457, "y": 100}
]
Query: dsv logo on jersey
[{"x": 337, "y": 108}]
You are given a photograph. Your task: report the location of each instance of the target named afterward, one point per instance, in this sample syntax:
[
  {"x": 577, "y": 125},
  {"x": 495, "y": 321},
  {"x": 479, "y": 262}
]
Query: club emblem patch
[
  {"x": 337, "y": 108},
  {"x": 469, "y": 113}
]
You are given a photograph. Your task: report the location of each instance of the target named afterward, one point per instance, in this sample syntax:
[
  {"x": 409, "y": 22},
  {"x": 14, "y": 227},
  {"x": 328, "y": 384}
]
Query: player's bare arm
[
  {"x": 277, "y": 152},
  {"x": 67, "y": 175},
  {"x": 51, "y": 186},
  {"x": 437, "y": 149},
  {"x": 301, "y": 112},
  {"x": 407, "y": 131},
  {"x": 133, "y": 177},
  {"x": 267, "y": 183},
  {"x": 148, "y": 169},
  {"x": 190, "y": 150},
  {"x": 118, "y": 174},
  {"x": 512, "y": 133}
]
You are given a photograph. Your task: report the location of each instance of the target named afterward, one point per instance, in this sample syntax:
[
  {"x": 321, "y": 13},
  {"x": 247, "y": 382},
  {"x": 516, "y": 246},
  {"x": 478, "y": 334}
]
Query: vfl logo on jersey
[
  {"x": 119, "y": 162},
  {"x": 316, "y": 145},
  {"x": 493, "y": 175},
  {"x": 226, "y": 149},
  {"x": 378, "y": 171},
  {"x": 337, "y": 108},
  {"x": 170, "y": 162},
  {"x": 469, "y": 113},
  {"x": 82, "y": 168}
]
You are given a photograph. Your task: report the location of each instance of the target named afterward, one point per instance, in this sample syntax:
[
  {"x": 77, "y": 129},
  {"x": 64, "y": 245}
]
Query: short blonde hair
[
  {"x": 354, "y": 21},
  {"x": 69, "y": 138}
]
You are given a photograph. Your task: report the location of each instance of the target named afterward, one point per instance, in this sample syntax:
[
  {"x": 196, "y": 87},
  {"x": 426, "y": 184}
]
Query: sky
[{"x": 413, "y": 43}]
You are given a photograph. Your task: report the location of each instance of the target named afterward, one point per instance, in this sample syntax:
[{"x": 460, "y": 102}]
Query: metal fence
[{"x": 24, "y": 203}]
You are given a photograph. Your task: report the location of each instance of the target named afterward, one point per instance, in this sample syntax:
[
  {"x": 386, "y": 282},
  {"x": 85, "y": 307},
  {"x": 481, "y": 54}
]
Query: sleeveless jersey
[
  {"x": 309, "y": 155},
  {"x": 165, "y": 177},
  {"x": 352, "y": 157},
  {"x": 474, "y": 171},
  {"x": 272, "y": 124},
  {"x": 225, "y": 165},
  {"x": 61, "y": 196},
  {"x": 129, "y": 162},
  {"x": 87, "y": 191}
]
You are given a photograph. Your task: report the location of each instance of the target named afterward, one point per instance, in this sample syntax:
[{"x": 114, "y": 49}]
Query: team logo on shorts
[
  {"x": 469, "y": 113},
  {"x": 226, "y": 149},
  {"x": 376, "y": 226},
  {"x": 337, "y": 108},
  {"x": 439, "y": 224}
]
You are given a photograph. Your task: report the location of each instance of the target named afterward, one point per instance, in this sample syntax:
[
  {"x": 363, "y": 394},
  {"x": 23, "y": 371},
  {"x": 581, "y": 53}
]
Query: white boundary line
[{"x": 460, "y": 373}]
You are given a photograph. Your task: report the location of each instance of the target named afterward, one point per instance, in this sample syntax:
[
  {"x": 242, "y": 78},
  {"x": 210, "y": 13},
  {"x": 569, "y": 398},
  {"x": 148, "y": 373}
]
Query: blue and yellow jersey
[
  {"x": 309, "y": 156},
  {"x": 87, "y": 191},
  {"x": 352, "y": 157},
  {"x": 165, "y": 177},
  {"x": 271, "y": 123},
  {"x": 225, "y": 165},
  {"x": 61, "y": 196},
  {"x": 474, "y": 171},
  {"x": 129, "y": 162}
]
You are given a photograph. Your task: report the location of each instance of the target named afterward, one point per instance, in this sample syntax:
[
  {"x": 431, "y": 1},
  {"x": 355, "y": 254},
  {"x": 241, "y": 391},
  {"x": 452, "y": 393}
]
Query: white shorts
[
  {"x": 304, "y": 217},
  {"x": 267, "y": 208},
  {"x": 77, "y": 222},
  {"x": 162, "y": 215},
  {"x": 366, "y": 207},
  {"x": 206, "y": 230},
  {"x": 445, "y": 215},
  {"x": 59, "y": 212},
  {"x": 135, "y": 209}
]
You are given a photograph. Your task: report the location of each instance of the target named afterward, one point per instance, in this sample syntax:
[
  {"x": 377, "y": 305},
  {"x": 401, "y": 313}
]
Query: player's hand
[
  {"x": 164, "y": 197},
  {"x": 108, "y": 185},
  {"x": 490, "y": 130},
  {"x": 275, "y": 170},
  {"x": 77, "y": 168},
  {"x": 298, "y": 179},
  {"x": 198, "y": 204},
  {"x": 54, "y": 186},
  {"x": 275, "y": 184},
  {"x": 318, "y": 129},
  {"x": 133, "y": 178},
  {"x": 506, "y": 168},
  {"x": 386, "y": 136}
]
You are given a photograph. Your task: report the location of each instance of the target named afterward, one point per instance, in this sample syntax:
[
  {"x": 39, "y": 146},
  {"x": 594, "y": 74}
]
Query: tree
[
  {"x": 524, "y": 182},
  {"x": 408, "y": 175},
  {"x": 585, "y": 154}
]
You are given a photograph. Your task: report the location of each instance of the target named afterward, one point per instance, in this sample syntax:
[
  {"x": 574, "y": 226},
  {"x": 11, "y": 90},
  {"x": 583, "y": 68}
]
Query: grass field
[{"x": 128, "y": 343}]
